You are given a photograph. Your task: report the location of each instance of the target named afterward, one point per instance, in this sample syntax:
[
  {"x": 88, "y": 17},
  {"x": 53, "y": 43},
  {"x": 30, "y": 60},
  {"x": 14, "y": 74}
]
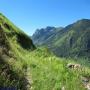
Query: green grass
[
  {"x": 48, "y": 72},
  {"x": 44, "y": 70}
]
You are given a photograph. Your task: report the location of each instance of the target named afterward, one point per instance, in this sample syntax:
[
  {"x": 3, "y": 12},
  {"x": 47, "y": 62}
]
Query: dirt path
[{"x": 29, "y": 80}]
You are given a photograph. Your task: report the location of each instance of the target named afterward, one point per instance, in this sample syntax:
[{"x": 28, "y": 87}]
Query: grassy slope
[
  {"x": 48, "y": 72},
  {"x": 12, "y": 70},
  {"x": 43, "y": 70}
]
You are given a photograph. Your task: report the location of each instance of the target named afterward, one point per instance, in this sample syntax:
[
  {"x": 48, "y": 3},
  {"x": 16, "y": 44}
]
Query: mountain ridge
[
  {"x": 43, "y": 34},
  {"x": 73, "y": 40}
]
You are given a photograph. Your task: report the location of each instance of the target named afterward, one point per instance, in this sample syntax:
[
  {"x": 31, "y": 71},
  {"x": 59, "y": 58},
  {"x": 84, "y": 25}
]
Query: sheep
[
  {"x": 77, "y": 66},
  {"x": 70, "y": 65},
  {"x": 73, "y": 66}
]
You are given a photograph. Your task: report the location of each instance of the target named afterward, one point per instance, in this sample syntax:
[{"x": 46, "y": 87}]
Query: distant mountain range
[
  {"x": 42, "y": 35},
  {"x": 70, "y": 41}
]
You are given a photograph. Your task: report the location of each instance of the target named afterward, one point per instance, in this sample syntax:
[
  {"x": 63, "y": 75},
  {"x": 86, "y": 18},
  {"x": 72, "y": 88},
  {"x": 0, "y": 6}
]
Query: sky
[{"x": 30, "y": 15}]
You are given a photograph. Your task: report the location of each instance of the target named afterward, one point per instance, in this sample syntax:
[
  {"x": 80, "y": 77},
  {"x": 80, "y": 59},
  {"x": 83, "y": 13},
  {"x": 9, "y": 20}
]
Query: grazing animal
[
  {"x": 73, "y": 66},
  {"x": 70, "y": 65},
  {"x": 63, "y": 88},
  {"x": 77, "y": 66},
  {"x": 87, "y": 86}
]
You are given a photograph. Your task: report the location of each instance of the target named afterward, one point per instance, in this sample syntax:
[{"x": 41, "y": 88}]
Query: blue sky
[{"x": 32, "y": 14}]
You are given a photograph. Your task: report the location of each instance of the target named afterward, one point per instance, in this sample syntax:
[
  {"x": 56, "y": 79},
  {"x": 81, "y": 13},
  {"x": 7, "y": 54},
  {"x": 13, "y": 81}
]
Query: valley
[
  {"x": 70, "y": 41},
  {"x": 27, "y": 66}
]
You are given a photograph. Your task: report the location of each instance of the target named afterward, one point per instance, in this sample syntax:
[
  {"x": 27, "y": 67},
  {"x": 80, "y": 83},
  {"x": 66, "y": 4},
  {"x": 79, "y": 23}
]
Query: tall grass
[{"x": 46, "y": 71}]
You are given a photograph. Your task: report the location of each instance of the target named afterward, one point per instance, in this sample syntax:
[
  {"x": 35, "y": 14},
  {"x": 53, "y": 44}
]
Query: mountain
[
  {"x": 71, "y": 41},
  {"x": 25, "y": 67},
  {"x": 12, "y": 42},
  {"x": 42, "y": 35},
  {"x": 10, "y": 31}
]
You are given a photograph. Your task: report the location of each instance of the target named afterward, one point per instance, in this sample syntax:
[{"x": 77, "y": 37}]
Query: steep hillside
[
  {"x": 11, "y": 31},
  {"x": 12, "y": 40},
  {"x": 73, "y": 40}
]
